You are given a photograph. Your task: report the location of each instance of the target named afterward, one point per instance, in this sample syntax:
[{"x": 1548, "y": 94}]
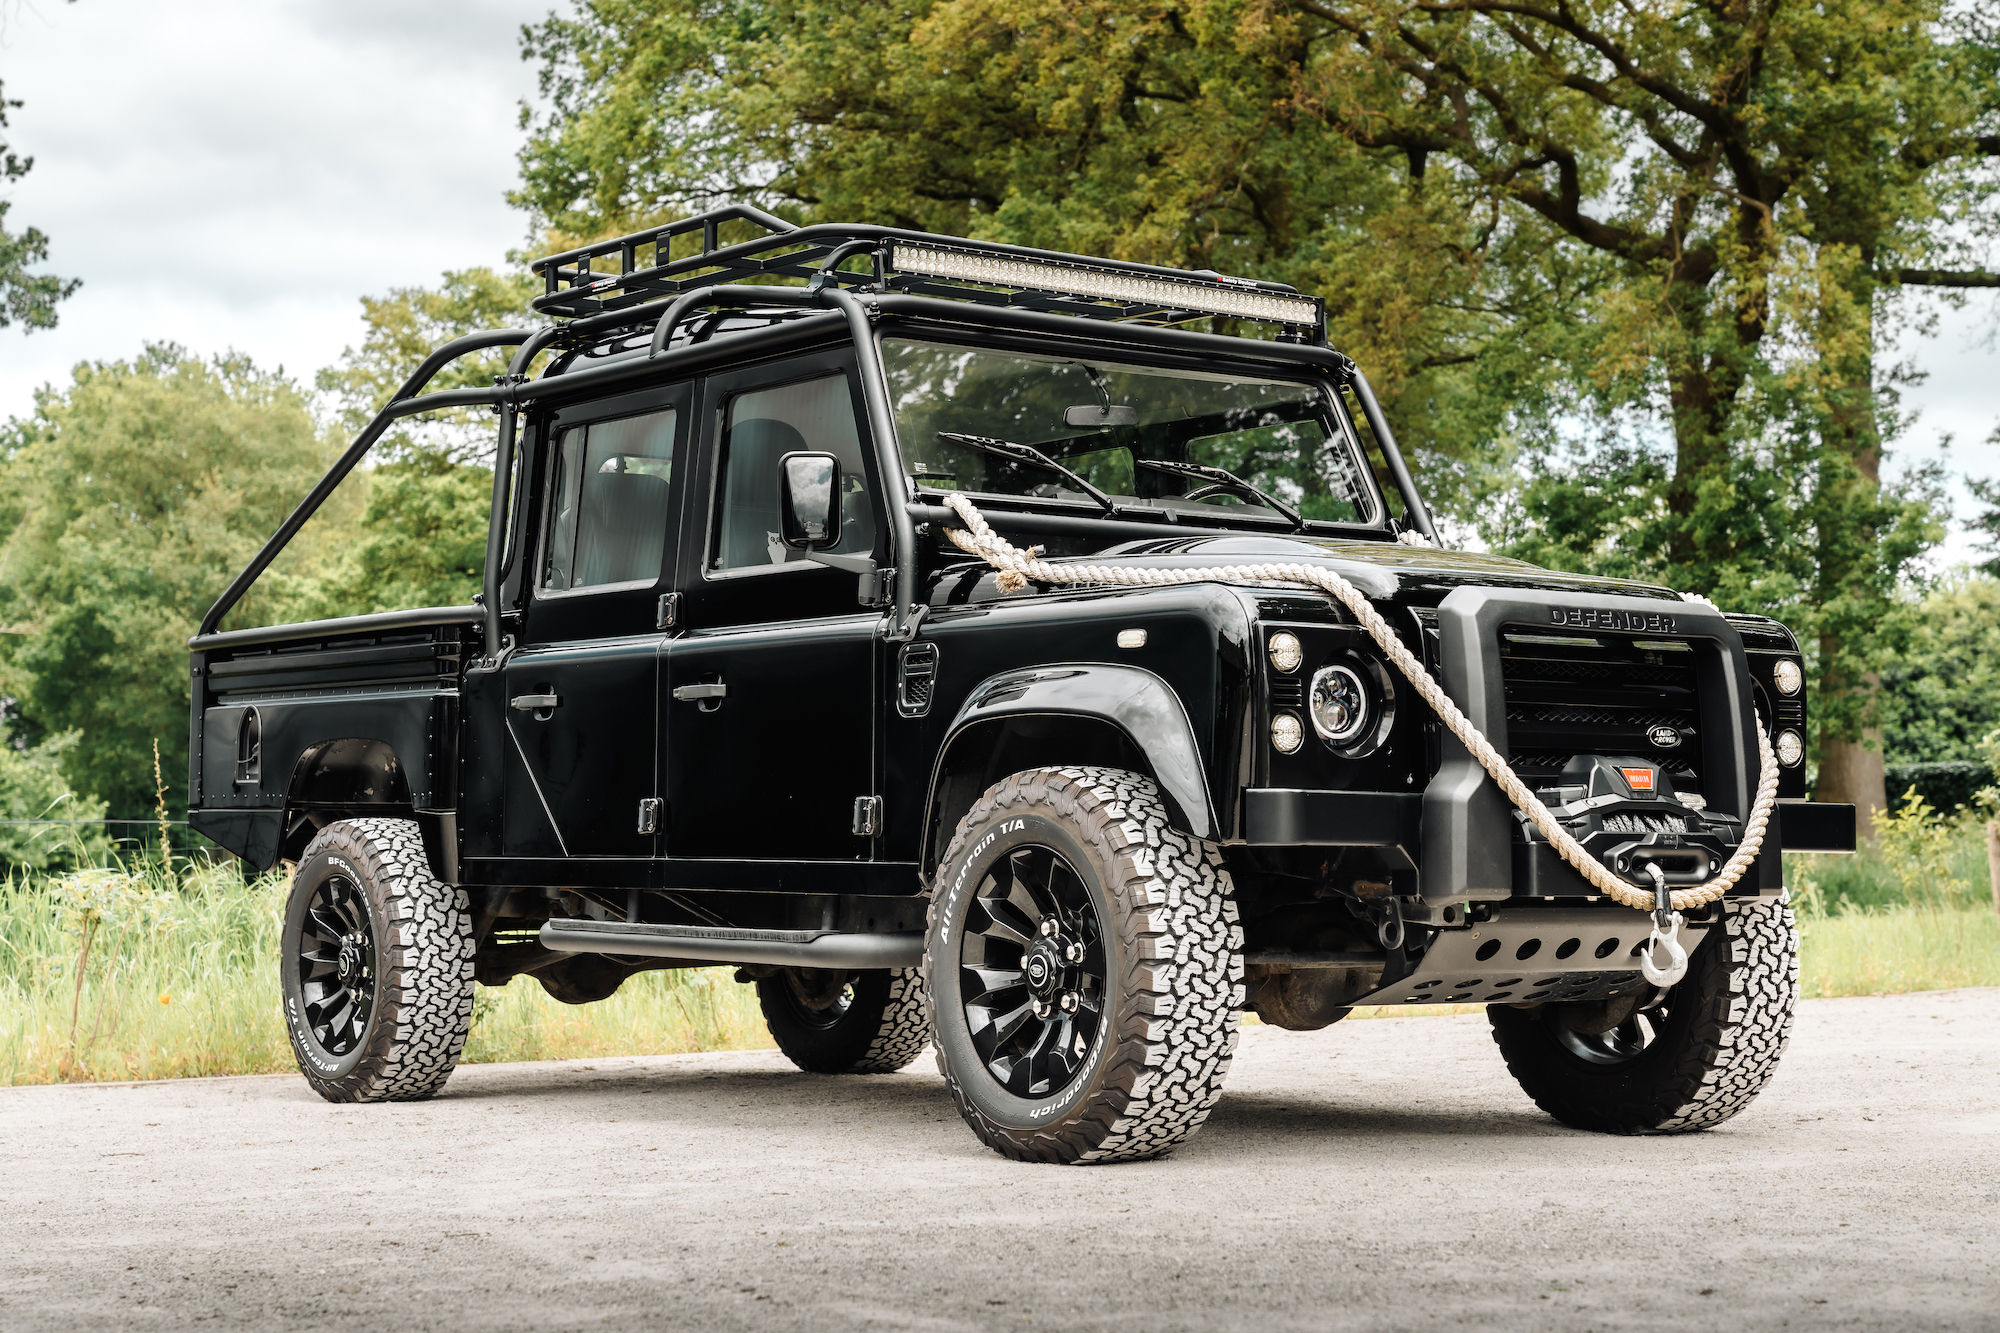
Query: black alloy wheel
[
  {"x": 1031, "y": 965},
  {"x": 1620, "y": 1045},
  {"x": 872, "y": 1022},
  {"x": 336, "y": 967},
  {"x": 1085, "y": 970},
  {"x": 823, "y": 1018},
  {"x": 1688, "y": 1063},
  {"x": 375, "y": 964}
]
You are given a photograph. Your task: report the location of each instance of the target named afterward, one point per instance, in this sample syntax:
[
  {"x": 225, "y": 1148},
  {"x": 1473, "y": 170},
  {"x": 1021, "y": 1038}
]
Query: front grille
[{"x": 1587, "y": 694}]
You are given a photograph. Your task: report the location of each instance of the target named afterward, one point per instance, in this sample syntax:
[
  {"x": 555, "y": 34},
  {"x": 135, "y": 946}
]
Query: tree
[
  {"x": 1942, "y": 693},
  {"x": 34, "y": 788},
  {"x": 1988, "y": 523},
  {"x": 408, "y": 325},
  {"x": 26, "y": 298},
  {"x": 426, "y": 491},
  {"x": 1526, "y": 216},
  {"x": 1750, "y": 177},
  {"x": 129, "y": 499},
  {"x": 1161, "y": 133}
]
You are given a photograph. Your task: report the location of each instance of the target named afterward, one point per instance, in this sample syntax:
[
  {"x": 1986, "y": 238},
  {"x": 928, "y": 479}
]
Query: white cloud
[{"x": 238, "y": 175}]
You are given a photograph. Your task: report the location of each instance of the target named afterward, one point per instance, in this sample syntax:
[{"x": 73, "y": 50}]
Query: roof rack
[{"x": 642, "y": 268}]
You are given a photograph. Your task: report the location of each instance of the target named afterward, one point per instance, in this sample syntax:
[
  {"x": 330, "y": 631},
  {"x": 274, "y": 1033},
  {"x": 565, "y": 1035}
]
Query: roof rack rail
[{"x": 641, "y": 268}]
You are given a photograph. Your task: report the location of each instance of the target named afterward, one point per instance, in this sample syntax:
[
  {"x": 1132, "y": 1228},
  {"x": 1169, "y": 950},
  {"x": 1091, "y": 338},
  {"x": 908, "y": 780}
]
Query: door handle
[
  {"x": 687, "y": 692},
  {"x": 531, "y": 703}
]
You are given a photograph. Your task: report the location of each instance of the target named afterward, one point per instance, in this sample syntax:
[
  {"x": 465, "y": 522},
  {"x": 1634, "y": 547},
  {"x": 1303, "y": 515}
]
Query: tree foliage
[
  {"x": 1643, "y": 250},
  {"x": 1942, "y": 693},
  {"x": 26, "y": 298},
  {"x": 130, "y": 498}
]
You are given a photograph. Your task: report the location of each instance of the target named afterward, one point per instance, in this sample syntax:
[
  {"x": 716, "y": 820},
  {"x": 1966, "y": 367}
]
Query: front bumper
[{"x": 1394, "y": 823}]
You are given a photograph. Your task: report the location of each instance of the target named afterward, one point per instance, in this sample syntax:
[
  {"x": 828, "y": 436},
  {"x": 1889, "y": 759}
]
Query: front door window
[{"x": 763, "y": 426}]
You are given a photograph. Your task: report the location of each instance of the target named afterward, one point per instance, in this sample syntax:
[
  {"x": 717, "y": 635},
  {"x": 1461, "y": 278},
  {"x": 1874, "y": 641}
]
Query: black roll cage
[{"x": 601, "y": 304}]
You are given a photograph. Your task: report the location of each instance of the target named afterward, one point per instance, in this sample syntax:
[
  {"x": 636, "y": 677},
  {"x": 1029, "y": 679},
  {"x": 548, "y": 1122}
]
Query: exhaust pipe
[{"x": 832, "y": 949}]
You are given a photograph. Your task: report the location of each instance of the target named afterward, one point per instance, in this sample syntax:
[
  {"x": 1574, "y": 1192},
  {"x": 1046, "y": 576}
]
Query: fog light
[
  {"x": 1787, "y": 677},
  {"x": 1339, "y": 704},
  {"x": 1790, "y": 748},
  {"x": 1286, "y": 654},
  {"x": 1287, "y": 733}
]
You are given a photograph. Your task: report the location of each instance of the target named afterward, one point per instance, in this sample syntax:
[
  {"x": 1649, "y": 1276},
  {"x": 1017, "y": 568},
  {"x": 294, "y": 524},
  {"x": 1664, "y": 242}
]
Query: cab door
[
  {"x": 582, "y": 687},
  {"x": 769, "y": 702}
]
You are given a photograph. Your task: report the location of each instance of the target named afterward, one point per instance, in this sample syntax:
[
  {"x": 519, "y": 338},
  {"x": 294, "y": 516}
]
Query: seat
[{"x": 623, "y": 529}]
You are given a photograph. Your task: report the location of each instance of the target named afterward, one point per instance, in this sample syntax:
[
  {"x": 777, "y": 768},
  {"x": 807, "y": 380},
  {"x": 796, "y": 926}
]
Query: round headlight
[
  {"x": 1287, "y": 733},
  {"x": 1787, "y": 677},
  {"x": 1790, "y": 748},
  {"x": 1338, "y": 704},
  {"x": 1286, "y": 654}
]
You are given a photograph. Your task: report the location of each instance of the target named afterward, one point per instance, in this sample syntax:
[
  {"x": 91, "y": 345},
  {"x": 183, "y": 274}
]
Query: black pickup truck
[{"x": 731, "y": 694}]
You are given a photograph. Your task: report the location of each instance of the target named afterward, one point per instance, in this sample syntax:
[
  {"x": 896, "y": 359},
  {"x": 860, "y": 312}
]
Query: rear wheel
[
  {"x": 1693, "y": 1060},
  {"x": 376, "y": 965},
  {"x": 830, "y": 1022},
  {"x": 1085, "y": 969}
]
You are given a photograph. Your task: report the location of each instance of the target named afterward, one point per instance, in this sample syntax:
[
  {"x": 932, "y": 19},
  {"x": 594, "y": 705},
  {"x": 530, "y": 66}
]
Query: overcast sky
[{"x": 237, "y": 175}]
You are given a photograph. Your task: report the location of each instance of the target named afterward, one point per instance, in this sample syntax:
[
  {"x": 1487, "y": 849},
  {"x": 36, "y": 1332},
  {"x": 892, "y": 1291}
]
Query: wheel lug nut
[
  {"x": 1048, "y": 926},
  {"x": 1043, "y": 1008},
  {"x": 1070, "y": 1000},
  {"x": 1073, "y": 954}
]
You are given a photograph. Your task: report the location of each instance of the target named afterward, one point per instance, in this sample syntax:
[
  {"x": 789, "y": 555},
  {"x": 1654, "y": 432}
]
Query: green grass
[
  {"x": 181, "y": 980},
  {"x": 180, "y": 976}
]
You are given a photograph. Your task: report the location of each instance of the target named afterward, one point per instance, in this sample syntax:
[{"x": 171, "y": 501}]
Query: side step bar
[{"x": 852, "y": 951}]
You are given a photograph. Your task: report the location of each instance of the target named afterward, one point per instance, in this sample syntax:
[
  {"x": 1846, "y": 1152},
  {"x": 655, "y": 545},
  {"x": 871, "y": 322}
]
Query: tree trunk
[
  {"x": 1850, "y": 748},
  {"x": 1851, "y": 767}
]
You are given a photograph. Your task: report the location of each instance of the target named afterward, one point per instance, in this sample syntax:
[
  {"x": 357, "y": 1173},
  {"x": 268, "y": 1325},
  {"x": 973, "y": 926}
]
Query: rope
[{"x": 1018, "y": 567}]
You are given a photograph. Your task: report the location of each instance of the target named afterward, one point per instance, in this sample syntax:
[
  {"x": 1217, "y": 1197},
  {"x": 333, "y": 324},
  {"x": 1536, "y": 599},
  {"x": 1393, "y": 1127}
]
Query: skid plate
[{"x": 1533, "y": 955}]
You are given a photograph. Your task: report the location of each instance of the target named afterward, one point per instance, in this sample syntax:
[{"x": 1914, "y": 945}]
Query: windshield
[{"x": 1106, "y": 422}]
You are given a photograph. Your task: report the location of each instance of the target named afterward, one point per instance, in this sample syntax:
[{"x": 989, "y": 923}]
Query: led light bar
[{"x": 1064, "y": 280}]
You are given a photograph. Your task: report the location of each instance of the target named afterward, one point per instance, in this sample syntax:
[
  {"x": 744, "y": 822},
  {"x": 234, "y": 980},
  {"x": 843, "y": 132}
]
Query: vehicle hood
[{"x": 1386, "y": 571}]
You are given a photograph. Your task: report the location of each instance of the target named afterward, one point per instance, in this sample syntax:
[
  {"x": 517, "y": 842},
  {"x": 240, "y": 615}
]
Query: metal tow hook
[
  {"x": 1389, "y": 930},
  {"x": 1666, "y": 934}
]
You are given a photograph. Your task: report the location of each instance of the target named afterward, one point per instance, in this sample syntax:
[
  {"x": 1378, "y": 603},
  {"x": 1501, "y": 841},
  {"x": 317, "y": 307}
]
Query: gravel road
[{"x": 1377, "y": 1175}]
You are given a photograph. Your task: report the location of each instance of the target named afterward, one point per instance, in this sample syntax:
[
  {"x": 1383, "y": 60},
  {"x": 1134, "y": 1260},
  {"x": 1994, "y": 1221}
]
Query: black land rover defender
[{"x": 731, "y": 694}]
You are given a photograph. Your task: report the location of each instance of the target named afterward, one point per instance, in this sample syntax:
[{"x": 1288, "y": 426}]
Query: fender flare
[{"x": 1131, "y": 699}]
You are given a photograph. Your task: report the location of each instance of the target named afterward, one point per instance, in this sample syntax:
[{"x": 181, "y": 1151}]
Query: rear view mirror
[
  {"x": 809, "y": 500},
  {"x": 1091, "y": 414}
]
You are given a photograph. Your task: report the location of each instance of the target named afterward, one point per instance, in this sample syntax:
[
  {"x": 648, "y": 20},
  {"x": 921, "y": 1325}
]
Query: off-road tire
[
  {"x": 1172, "y": 954},
  {"x": 423, "y": 950},
  {"x": 885, "y": 1025},
  {"x": 1727, "y": 1024}
]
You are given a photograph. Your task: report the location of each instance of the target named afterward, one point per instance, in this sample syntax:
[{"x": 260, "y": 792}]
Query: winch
[{"x": 1625, "y": 812}]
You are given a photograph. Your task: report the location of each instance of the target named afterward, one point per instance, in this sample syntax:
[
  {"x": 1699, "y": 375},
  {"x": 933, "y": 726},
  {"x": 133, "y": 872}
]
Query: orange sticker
[{"x": 1639, "y": 779}]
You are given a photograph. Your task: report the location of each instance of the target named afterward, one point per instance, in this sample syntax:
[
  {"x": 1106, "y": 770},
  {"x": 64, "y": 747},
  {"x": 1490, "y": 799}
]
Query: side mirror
[{"x": 809, "y": 500}]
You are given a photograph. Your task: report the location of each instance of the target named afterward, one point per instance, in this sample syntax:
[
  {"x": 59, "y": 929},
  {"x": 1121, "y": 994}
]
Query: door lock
[{"x": 649, "y": 814}]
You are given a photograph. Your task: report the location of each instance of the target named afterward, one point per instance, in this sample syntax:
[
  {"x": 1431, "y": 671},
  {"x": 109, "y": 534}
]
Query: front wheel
[
  {"x": 1085, "y": 969},
  {"x": 376, "y": 965},
  {"x": 1694, "y": 1059}
]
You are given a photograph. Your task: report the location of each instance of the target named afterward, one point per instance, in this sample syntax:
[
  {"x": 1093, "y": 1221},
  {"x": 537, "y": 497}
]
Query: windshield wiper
[
  {"x": 1024, "y": 453},
  {"x": 1224, "y": 481}
]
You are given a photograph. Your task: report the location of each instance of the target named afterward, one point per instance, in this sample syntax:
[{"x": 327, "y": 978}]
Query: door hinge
[
  {"x": 877, "y": 588},
  {"x": 650, "y": 809},
  {"x": 669, "y": 613},
  {"x": 867, "y": 816}
]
